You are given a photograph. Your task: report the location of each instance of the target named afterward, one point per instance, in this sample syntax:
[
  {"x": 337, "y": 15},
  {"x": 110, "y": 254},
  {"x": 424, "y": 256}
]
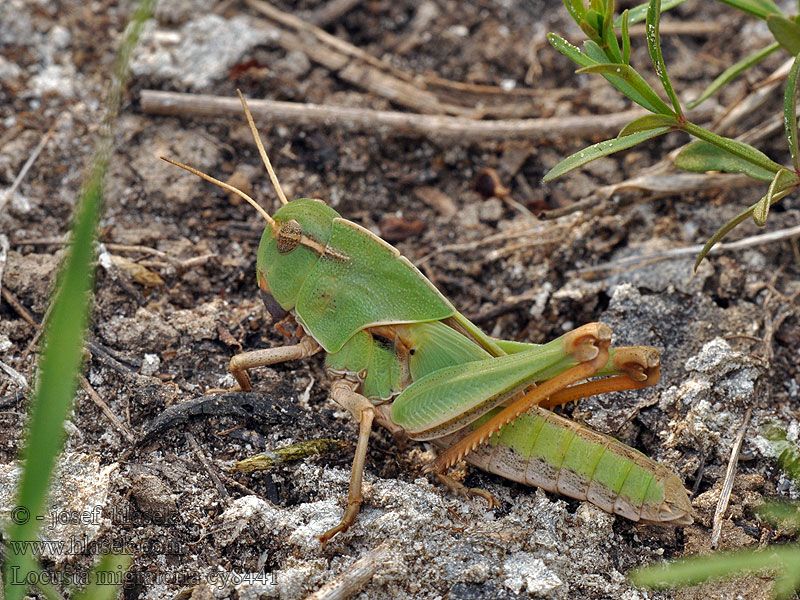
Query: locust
[{"x": 400, "y": 354}]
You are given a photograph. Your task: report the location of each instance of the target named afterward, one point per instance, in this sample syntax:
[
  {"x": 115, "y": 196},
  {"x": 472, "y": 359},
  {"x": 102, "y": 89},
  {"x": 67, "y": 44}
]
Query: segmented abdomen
[{"x": 545, "y": 450}]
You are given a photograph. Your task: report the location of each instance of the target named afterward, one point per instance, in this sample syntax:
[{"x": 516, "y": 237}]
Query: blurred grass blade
[
  {"x": 600, "y": 149},
  {"x": 64, "y": 333},
  {"x": 700, "y": 157},
  {"x": 790, "y": 111},
  {"x": 786, "y": 32},
  {"x": 779, "y": 514},
  {"x": 757, "y": 8},
  {"x": 647, "y": 97},
  {"x": 639, "y": 13},
  {"x": 733, "y": 72},
  {"x": 788, "y": 453},
  {"x": 654, "y": 45},
  {"x": 735, "y": 147},
  {"x": 697, "y": 569},
  {"x": 648, "y": 122},
  {"x": 626, "y": 39},
  {"x": 106, "y": 578}
]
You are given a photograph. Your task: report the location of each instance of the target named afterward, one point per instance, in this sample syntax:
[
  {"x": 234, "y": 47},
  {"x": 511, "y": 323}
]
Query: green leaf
[
  {"x": 788, "y": 453},
  {"x": 626, "y": 39},
  {"x": 734, "y": 71},
  {"x": 575, "y": 8},
  {"x": 648, "y": 122},
  {"x": 654, "y": 45},
  {"x": 784, "y": 180},
  {"x": 600, "y": 149},
  {"x": 697, "y": 569},
  {"x": 598, "y": 56},
  {"x": 727, "y": 227},
  {"x": 757, "y": 8},
  {"x": 740, "y": 149},
  {"x": 790, "y": 111},
  {"x": 786, "y": 32},
  {"x": 569, "y": 50},
  {"x": 651, "y": 100},
  {"x": 639, "y": 13},
  {"x": 700, "y": 157}
]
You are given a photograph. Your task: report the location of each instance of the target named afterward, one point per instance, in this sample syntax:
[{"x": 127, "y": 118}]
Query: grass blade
[
  {"x": 600, "y": 149},
  {"x": 790, "y": 111},
  {"x": 654, "y": 45},
  {"x": 697, "y": 569},
  {"x": 733, "y": 72},
  {"x": 700, "y": 157},
  {"x": 64, "y": 333},
  {"x": 106, "y": 578}
]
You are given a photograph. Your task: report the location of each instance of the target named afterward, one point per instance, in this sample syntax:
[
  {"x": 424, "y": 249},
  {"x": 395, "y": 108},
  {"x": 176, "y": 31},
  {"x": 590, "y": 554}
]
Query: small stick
[
  {"x": 727, "y": 486},
  {"x": 4, "y": 247},
  {"x": 28, "y": 163},
  {"x": 15, "y": 375},
  {"x": 748, "y": 242},
  {"x": 331, "y": 11},
  {"x": 352, "y": 580},
  {"x": 17, "y": 306},
  {"x": 434, "y": 127},
  {"x": 208, "y": 467},
  {"x": 121, "y": 428}
]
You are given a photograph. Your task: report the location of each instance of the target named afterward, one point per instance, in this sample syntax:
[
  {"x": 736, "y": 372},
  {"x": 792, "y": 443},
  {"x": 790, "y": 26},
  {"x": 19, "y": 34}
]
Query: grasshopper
[{"x": 400, "y": 354}]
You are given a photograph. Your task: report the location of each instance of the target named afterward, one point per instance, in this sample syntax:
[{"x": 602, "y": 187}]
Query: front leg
[
  {"x": 344, "y": 394},
  {"x": 240, "y": 363}
]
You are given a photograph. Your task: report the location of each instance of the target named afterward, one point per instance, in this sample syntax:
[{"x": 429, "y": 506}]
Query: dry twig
[
  {"x": 212, "y": 473},
  {"x": 121, "y": 428},
  {"x": 28, "y": 163},
  {"x": 440, "y": 128},
  {"x": 353, "y": 579},
  {"x": 727, "y": 486}
]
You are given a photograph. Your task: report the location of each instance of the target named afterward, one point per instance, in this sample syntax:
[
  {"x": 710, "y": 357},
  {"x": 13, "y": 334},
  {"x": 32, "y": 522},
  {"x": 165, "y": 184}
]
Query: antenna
[
  {"x": 264, "y": 157},
  {"x": 228, "y": 187}
]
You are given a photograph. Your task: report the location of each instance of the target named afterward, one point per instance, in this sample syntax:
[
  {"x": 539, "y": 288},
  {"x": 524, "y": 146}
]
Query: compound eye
[{"x": 289, "y": 236}]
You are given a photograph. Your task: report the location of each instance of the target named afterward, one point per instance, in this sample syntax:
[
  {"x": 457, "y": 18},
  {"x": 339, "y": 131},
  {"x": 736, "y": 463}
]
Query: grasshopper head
[
  {"x": 288, "y": 252},
  {"x": 296, "y": 236}
]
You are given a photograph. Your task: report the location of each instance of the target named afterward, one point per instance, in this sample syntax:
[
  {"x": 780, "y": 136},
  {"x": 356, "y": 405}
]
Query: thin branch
[
  {"x": 727, "y": 486},
  {"x": 198, "y": 451},
  {"x": 435, "y": 127},
  {"x": 353, "y": 579},
  {"x": 121, "y": 428},
  {"x": 28, "y": 163}
]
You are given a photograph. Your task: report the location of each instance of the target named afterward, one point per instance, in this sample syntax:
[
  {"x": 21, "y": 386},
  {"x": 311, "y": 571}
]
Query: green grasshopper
[{"x": 399, "y": 353}]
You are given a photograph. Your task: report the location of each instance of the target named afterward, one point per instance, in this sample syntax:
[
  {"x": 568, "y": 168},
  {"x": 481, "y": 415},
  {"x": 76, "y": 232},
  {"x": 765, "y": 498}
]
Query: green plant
[
  {"x": 603, "y": 54},
  {"x": 61, "y": 359},
  {"x": 783, "y": 560}
]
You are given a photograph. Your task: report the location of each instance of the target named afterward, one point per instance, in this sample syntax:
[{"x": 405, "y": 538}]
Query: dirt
[{"x": 176, "y": 297}]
